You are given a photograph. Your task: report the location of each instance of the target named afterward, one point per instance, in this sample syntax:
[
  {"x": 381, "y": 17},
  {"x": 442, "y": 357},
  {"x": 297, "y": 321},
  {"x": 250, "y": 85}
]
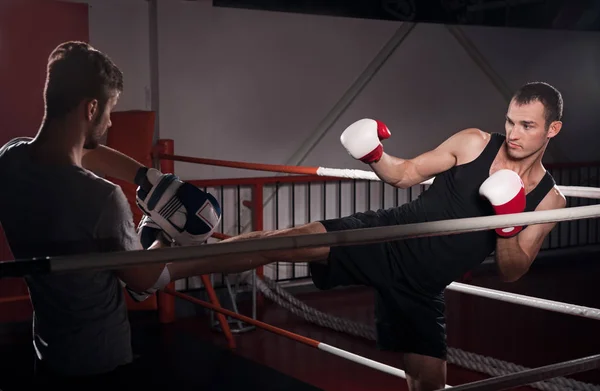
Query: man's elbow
[{"x": 402, "y": 184}]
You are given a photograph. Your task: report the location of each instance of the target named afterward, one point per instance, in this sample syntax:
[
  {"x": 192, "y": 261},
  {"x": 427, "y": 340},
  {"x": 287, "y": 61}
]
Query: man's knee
[
  {"x": 299, "y": 254},
  {"x": 424, "y": 373}
]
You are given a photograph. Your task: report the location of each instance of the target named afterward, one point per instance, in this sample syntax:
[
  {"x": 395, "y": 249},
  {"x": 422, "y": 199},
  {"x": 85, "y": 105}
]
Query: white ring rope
[
  {"x": 338, "y": 238},
  {"x": 554, "y": 306},
  {"x": 471, "y": 361},
  {"x": 568, "y": 191}
]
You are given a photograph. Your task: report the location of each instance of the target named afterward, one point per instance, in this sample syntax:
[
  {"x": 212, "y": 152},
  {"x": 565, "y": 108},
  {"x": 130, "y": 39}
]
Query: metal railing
[{"x": 266, "y": 203}]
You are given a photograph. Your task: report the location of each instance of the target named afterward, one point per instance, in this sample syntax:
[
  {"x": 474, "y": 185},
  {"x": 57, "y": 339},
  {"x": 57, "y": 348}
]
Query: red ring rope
[
  {"x": 307, "y": 341},
  {"x": 298, "y": 338},
  {"x": 243, "y": 165}
]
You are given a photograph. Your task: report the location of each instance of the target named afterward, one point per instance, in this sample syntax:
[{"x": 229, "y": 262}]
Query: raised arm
[
  {"x": 362, "y": 141},
  {"x": 111, "y": 162}
]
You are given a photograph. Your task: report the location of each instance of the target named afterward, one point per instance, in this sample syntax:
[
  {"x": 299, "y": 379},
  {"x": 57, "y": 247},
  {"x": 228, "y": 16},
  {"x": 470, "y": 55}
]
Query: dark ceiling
[{"x": 544, "y": 14}]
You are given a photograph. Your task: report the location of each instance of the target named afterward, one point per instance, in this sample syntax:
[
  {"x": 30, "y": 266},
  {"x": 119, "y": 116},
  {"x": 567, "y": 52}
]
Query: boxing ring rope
[
  {"x": 514, "y": 298},
  {"x": 295, "y": 337},
  {"x": 504, "y": 381},
  {"x": 497, "y": 383},
  {"x": 568, "y": 191},
  {"x": 501, "y": 370},
  {"x": 533, "y": 375},
  {"x": 122, "y": 259}
]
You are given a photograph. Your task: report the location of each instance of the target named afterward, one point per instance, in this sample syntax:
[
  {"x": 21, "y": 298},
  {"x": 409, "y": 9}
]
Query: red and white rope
[
  {"x": 568, "y": 191},
  {"x": 296, "y": 337}
]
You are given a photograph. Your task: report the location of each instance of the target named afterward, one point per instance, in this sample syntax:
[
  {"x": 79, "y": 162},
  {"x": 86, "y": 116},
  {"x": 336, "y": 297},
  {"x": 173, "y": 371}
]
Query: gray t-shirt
[{"x": 80, "y": 319}]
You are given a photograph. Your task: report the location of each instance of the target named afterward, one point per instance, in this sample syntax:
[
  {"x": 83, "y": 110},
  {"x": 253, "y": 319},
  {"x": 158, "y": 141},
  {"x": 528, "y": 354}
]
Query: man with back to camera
[
  {"x": 56, "y": 206},
  {"x": 476, "y": 174}
]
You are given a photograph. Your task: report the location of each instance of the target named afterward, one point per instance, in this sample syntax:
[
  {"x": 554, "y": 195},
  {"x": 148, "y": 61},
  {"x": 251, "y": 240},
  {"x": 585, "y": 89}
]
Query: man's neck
[
  {"x": 529, "y": 169},
  {"x": 57, "y": 144}
]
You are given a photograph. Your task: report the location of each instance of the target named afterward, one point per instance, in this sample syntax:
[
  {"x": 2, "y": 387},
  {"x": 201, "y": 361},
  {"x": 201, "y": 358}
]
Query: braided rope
[{"x": 487, "y": 365}]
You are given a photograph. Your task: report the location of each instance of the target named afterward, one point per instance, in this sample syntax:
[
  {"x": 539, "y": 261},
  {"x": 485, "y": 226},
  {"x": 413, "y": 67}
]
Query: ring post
[{"x": 166, "y": 303}]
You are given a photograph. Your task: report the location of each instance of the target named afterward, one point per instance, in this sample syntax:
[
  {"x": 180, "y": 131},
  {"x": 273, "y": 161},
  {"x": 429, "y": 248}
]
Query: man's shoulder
[
  {"x": 554, "y": 198},
  {"x": 478, "y": 135},
  {"x": 469, "y": 143},
  {"x": 100, "y": 186},
  {"x": 14, "y": 143}
]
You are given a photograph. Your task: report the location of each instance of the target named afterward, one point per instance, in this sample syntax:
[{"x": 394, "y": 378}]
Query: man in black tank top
[{"x": 409, "y": 276}]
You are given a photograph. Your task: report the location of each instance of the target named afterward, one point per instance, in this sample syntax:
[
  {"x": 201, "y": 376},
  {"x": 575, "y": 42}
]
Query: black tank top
[{"x": 430, "y": 264}]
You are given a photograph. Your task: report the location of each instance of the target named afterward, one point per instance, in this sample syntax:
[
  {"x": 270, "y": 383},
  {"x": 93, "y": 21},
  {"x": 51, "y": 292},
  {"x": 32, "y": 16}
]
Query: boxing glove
[
  {"x": 504, "y": 189},
  {"x": 186, "y": 214},
  {"x": 362, "y": 139}
]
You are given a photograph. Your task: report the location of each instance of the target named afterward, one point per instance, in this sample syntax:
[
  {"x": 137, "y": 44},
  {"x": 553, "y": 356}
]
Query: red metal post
[
  {"x": 166, "y": 303},
  {"x": 257, "y": 225}
]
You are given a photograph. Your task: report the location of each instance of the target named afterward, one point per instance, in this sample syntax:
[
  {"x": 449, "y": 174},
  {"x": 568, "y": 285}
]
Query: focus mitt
[
  {"x": 186, "y": 214},
  {"x": 149, "y": 232}
]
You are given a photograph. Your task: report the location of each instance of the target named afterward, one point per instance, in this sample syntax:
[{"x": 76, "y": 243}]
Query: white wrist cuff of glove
[{"x": 163, "y": 280}]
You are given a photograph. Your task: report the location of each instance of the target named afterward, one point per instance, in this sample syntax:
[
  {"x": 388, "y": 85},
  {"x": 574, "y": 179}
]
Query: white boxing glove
[
  {"x": 362, "y": 139},
  {"x": 506, "y": 192}
]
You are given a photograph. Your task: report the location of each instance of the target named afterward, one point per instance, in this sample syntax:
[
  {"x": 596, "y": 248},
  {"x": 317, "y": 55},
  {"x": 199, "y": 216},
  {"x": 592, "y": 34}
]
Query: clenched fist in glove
[
  {"x": 506, "y": 192},
  {"x": 149, "y": 232},
  {"x": 362, "y": 139},
  {"x": 186, "y": 214}
]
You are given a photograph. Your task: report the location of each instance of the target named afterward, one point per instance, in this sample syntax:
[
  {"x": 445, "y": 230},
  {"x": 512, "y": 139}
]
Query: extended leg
[{"x": 241, "y": 262}]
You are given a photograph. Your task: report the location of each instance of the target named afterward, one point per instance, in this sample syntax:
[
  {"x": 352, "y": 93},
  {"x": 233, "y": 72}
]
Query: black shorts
[{"x": 406, "y": 320}]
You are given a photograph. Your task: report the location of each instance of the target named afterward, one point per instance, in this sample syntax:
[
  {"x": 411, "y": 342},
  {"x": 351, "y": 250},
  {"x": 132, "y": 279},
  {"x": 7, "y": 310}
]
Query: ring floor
[{"x": 188, "y": 354}]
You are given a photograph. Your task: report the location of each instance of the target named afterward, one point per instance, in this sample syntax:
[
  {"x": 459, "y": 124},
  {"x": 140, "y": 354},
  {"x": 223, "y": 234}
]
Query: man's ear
[
  {"x": 554, "y": 129},
  {"x": 91, "y": 109}
]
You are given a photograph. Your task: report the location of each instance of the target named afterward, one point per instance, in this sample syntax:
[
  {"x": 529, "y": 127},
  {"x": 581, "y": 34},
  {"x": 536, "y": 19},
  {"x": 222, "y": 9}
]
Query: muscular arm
[
  {"x": 404, "y": 173},
  {"x": 515, "y": 255},
  {"x": 111, "y": 162},
  {"x": 115, "y": 231}
]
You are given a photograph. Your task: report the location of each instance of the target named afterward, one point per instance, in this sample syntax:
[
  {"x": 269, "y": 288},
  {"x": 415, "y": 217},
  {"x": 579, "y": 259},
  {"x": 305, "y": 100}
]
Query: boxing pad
[
  {"x": 505, "y": 190},
  {"x": 149, "y": 232},
  {"x": 186, "y": 214},
  {"x": 362, "y": 139}
]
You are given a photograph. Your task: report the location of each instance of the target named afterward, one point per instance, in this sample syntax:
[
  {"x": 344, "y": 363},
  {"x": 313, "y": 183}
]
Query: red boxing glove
[
  {"x": 506, "y": 192},
  {"x": 362, "y": 139}
]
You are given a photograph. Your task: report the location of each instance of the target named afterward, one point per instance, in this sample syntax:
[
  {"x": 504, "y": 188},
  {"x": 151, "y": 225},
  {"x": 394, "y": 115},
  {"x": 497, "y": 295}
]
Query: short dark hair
[
  {"x": 544, "y": 93},
  {"x": 76, "y": 71}
]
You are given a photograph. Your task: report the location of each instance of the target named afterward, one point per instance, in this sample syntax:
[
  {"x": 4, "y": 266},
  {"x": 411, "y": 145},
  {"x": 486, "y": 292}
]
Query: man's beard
[
  {"x": 92, "y": 140},
  {"x": 91, "y": 143}
]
